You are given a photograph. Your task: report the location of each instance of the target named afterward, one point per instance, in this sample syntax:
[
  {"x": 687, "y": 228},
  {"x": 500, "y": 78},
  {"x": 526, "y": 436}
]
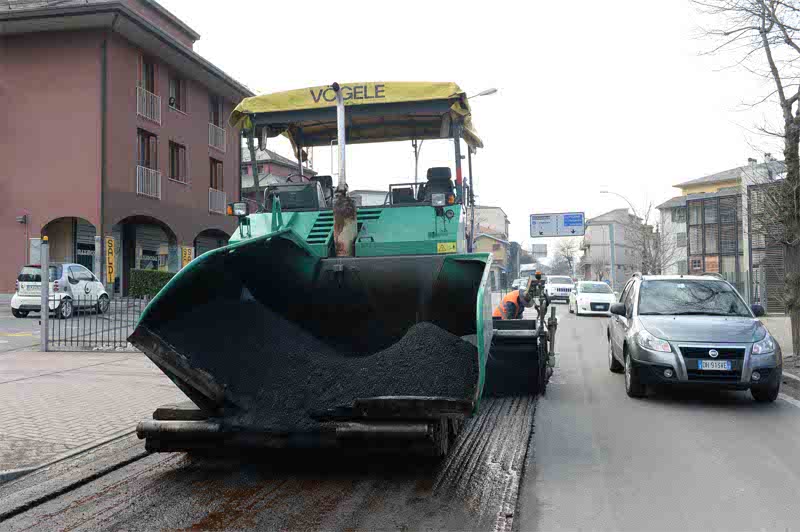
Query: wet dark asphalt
[{"x": 673, "y": 461}]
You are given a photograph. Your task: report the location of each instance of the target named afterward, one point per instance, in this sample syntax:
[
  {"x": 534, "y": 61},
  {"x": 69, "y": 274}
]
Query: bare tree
[
  {"x": 567, "y": 250},
  {"x": 599, "y": 266},
  {"x": 764, "y": 37},
  {"x": 653, "y": 250}
]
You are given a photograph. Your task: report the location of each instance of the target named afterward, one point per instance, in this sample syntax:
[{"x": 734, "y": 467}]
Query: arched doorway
[
  {"x": 145, "y": 243},
  {"x": 71, "y": 239},
  {"x": 209, "y": 239}
]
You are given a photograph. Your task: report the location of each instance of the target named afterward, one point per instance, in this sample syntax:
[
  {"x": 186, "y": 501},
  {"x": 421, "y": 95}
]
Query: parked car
[
  {"x": 71, "y": 286},
  {"x": 558, "y": 287},
  {"x": 519, "y": 283},
  {"x": 590, "y": 297},
  {"x": 691, "y": 330}
]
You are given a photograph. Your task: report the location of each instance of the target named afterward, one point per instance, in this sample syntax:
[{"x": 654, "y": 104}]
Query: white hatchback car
[
  {"x": 591, "y": 297},
  {"x": 71, "y": 286}
]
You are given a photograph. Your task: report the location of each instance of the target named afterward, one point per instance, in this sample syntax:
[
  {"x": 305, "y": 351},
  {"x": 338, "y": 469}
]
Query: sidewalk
[
  {"x": 52, "y": 404},
  {"x": 781, "y": 329}
]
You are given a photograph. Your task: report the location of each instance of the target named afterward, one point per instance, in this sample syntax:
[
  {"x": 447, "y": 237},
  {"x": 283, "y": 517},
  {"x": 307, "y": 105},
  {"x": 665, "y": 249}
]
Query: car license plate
[{"x": 714, "y": 365}]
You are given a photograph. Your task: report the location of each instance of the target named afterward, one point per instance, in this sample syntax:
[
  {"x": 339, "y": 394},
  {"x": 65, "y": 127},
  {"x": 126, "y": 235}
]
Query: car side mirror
[
  {"x": 758, "y": 310},
  {"x": 72, "y": 280},
  {"x": 618, "y": 309}
]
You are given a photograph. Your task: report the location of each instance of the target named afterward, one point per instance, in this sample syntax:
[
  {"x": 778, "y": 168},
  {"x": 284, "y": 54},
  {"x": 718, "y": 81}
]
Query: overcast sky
[{"x": 590, "y": 94}]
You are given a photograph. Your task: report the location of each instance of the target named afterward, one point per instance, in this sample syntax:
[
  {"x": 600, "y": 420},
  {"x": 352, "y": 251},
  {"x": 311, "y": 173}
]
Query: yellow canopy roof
[{"x": 377, "y": 112}]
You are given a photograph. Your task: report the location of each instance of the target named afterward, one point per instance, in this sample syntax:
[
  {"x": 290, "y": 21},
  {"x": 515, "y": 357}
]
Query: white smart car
[
  {"x": 71, "y": 286},
  {"x": 591, "y": 297}
]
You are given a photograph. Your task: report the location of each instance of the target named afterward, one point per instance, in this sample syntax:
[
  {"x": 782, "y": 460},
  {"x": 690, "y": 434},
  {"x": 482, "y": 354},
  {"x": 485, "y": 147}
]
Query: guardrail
[
  {"x": 89, "y": 324},
  {"x": 148, "y": 182},
  {"x": 217, "y": 138},
  {"x": 148, "y": 105}
]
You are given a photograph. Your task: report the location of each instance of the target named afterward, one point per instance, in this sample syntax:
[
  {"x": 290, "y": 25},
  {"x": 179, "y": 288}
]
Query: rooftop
[
  {"x": 264, "y": 156},
  {"x": 734, "y": 174},
  {"x": 487, "y": 235},
  {"x": 680, "y": 201}
]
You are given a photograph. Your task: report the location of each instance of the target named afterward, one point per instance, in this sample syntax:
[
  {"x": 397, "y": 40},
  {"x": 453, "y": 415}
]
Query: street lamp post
[{"x": 623, "y": 197}]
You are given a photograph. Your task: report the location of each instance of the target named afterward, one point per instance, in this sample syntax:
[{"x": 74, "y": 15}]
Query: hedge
[{"x": 147, "y": 282}]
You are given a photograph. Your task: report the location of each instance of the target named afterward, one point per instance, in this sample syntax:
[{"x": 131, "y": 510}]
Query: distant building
[
  {"x": 369, "y": 198},
  {"x": 709, "y": 227},
  {"x": 491, "y": 220},
  {"x": 273, "y": 169},
  {"x": 500, "y": 249},
  {"x": 596, "y": 263}
]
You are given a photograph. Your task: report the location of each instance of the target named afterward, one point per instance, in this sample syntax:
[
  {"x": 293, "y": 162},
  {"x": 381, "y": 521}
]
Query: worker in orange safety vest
[{"x": 514, "y": 304}]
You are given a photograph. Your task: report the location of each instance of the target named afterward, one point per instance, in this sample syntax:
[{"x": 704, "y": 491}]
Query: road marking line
[
  {"x": 793, "y": 377},
  {"x": 790, "y": 400}
]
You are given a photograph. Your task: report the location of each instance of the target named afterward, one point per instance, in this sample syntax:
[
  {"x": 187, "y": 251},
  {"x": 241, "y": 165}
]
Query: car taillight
[
  {"x": 55, "y": 286},
  {"x": 16, "y": 286}
]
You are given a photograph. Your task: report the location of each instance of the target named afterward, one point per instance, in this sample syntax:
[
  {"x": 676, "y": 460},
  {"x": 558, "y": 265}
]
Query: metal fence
[{"x": 92, "y": 324}]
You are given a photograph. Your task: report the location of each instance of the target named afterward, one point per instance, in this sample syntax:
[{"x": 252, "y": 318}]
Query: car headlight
[
  {"x": 648, "y": 341},
  {"x": 767, "y": 345},
  {"x": 438, "y": 200}
]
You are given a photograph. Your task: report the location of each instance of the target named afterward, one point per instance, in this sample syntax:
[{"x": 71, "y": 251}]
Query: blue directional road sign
[{"x": 557, "y": 224}]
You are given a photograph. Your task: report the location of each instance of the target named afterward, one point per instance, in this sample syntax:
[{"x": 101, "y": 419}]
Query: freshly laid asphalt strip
[{"x": 279, "y": 375}]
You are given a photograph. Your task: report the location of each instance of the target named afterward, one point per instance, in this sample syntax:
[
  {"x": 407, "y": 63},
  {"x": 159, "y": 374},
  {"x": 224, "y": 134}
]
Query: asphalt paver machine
[{"x": 327, "y": 323}]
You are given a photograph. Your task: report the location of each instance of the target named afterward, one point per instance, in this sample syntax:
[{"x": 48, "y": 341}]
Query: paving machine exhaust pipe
[{"x": 345, "y": 226}]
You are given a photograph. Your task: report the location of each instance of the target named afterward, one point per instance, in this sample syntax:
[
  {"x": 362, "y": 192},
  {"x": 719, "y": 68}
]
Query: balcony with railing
[
  {"x": 148, "y": 105},
  {"x": 216, "y": 201},
  {"x": 148, "y": 182},
  {"x": 216, "y": 137}
]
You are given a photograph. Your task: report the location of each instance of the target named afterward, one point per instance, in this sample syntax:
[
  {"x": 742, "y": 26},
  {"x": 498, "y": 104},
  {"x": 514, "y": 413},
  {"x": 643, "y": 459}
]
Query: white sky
[{"x": 591, "y": 94}]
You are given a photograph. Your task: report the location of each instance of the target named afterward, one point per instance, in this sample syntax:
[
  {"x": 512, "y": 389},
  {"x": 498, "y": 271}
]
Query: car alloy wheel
[
  {"x": 65, "y": 309},
  {"x": 103, "y": 304}
]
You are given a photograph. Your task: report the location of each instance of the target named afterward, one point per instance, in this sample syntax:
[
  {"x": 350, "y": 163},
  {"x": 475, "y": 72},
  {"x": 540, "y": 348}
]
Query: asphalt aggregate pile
[{"x": 280, "y": 376}]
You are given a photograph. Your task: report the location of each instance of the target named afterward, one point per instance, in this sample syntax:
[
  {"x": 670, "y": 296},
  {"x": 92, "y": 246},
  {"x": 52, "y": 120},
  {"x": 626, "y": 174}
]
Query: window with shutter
[
  {"x": 177, "y": 162},
  {"x": 216, "y": 174},
  {"x": 146, "y": 149},
  {"x": 215, "y": 110},
  {"x": 147, "y": 74},
  {"x": 177, "y": 93}
]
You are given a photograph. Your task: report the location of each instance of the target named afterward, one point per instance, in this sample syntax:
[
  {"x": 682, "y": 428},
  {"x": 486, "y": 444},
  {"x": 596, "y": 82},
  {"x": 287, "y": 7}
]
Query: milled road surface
[
  {"x": 474, "y": 489},
  {"x": 673, "y": 461}
]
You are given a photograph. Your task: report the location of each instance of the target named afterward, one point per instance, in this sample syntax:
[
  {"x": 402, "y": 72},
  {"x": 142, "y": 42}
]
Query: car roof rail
[{"x": 713, "y": 274}]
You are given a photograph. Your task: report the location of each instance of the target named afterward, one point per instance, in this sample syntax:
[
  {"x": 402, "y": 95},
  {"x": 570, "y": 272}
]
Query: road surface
[
  {"x": 597, "y": 460},
  {"x": 674, "y": 461}
]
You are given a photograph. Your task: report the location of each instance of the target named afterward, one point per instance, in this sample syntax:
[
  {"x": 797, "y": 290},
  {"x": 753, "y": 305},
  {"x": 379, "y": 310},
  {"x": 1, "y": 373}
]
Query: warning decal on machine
[{"x": 445, "y": 247}]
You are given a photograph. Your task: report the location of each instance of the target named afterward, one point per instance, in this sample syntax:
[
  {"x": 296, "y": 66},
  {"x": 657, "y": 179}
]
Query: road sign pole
[{"x": 45, "y": 309}]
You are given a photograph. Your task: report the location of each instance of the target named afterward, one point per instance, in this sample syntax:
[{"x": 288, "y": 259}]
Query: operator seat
[{"x": 439, "y": 182}]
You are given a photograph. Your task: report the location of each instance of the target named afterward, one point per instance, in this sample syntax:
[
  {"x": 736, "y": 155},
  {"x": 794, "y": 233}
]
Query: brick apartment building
[{"x": 111, "y": 125}]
